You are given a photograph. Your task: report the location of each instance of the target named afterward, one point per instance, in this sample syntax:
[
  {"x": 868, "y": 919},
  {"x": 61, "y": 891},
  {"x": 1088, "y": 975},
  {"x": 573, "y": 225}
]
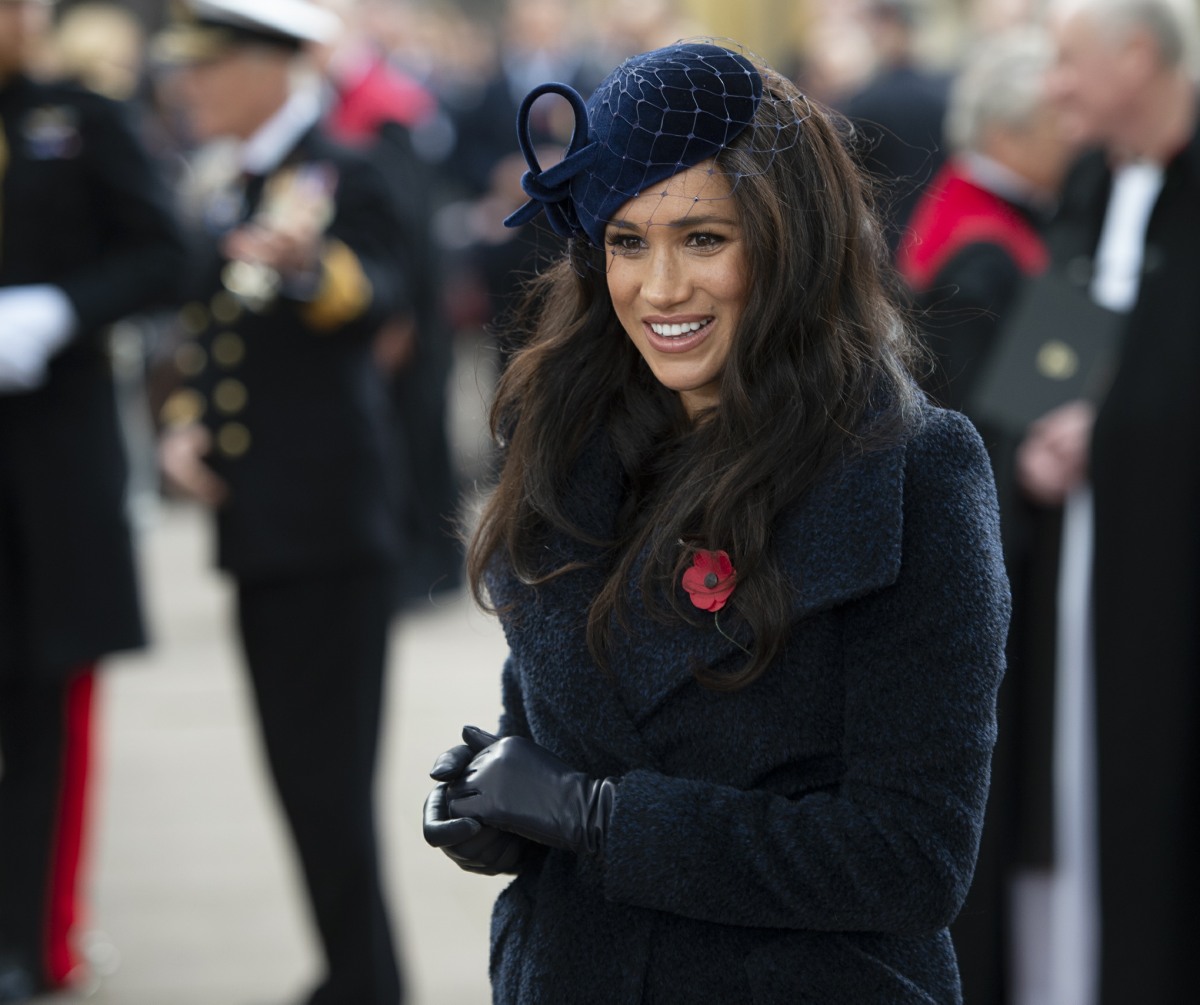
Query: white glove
[{"x": 34, "y": 322}]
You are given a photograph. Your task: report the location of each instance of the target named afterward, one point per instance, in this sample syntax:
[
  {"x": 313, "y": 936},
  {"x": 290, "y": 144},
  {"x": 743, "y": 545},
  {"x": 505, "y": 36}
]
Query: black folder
[{"x": 1057, "y": 345}]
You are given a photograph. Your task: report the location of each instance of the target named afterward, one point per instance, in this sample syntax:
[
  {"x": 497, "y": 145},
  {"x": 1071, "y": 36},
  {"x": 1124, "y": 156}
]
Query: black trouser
[
  {"x": 316, "y": 649},
  {"x": 32, "y": 736}
]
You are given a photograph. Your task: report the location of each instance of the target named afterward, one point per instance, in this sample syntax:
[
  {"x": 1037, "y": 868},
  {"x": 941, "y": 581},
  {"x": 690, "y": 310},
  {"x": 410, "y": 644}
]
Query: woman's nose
[{"x": 666, "y": 282}]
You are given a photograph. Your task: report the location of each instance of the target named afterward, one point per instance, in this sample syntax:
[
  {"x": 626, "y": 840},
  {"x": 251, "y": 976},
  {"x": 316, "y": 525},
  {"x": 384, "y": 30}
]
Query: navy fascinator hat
[{"x": 655, "y": 115}]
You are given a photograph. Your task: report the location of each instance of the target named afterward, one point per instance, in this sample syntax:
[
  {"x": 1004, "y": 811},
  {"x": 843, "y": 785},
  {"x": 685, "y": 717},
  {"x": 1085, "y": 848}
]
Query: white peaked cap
[{"x": 298, "y": 19}]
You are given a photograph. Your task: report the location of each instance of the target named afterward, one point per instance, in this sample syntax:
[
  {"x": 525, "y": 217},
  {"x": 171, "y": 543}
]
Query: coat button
[
  {"x": 229, "y": 396},
  {"x": 228, "y": 349},
  {"x": 183, "y": 408},
  {"x": 193, "y": 317},
  {"x": 190, "y": 358},
  {"x": 233, "y": 439},
  {"x": 225, "y": 307}
]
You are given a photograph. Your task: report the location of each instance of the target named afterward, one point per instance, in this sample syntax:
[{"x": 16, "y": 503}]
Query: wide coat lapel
[{"x": 841, "y": 542}]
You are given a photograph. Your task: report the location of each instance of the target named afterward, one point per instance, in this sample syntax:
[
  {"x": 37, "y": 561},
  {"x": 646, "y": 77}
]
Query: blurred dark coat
[
  {"x": 807, "y": 838},
  {"x": 485, "y": 119},
  {"x": 290, "y": 390},
  {"x": 83, "y": 207},
  {"x": 298, "y": 409},
  {"x": 379, "y": 113},
  {"x": 899, "y": 114},
  {"x": 1145, "y": 471}
]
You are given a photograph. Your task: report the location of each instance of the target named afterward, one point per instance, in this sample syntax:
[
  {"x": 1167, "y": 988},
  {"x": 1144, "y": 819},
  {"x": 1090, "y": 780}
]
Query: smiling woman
[{"x": 750, "y": 579}]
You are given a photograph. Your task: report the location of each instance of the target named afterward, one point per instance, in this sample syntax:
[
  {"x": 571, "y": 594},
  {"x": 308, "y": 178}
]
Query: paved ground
[{"x": 192, "y": 885}]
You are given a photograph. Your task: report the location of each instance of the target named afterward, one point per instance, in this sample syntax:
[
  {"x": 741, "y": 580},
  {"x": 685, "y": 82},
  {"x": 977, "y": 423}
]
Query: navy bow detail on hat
[
  {"x": 550, "y": 190},
  {"x": 655, "y": 115}
]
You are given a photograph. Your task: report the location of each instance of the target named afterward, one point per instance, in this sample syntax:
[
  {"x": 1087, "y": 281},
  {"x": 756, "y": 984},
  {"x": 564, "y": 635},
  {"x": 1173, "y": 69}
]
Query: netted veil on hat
[{"x": 655, "y": 115}]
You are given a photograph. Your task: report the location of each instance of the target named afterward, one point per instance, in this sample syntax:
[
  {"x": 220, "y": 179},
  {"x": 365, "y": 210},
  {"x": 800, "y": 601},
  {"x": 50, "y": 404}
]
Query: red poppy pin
[{"x": 710, "y": 580}]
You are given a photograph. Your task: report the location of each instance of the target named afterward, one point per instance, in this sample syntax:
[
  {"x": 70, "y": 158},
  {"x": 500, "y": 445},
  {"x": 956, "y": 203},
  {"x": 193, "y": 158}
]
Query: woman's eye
[
  {"x": 705, "y": 240},
  {"x": 624, "y": 244}
]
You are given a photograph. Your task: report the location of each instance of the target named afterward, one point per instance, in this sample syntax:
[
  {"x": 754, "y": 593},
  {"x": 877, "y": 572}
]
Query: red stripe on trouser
[{"x": 64, "y": 904}]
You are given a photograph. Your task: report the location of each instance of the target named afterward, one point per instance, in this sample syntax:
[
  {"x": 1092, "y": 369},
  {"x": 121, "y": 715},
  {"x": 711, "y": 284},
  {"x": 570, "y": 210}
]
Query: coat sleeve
[
  {"x": 363, "y": 272},
  {"x": 892, "y": 847}
]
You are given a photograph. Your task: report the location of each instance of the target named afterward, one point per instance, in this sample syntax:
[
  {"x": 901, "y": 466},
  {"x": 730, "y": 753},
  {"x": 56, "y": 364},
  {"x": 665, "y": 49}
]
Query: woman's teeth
[{"x": 676, "y": 330}]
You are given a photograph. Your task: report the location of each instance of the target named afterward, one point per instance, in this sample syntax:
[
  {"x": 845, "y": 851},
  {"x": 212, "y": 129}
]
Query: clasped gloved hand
[
  {"x": 468, "y": 843},
  {"x": 517, "y": 786}
]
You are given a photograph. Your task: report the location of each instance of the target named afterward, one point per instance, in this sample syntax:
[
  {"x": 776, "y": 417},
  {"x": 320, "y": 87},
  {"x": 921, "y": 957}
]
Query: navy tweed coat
[{"x": 806, "y": 839}]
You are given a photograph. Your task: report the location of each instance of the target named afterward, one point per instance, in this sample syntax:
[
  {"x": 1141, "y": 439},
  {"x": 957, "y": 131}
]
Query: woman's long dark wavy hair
[{"x": 819, "y": 365}]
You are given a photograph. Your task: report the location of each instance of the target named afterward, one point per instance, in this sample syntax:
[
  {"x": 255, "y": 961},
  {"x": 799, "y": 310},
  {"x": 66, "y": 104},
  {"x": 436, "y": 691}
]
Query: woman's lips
[{"x": 679, "y": 336}]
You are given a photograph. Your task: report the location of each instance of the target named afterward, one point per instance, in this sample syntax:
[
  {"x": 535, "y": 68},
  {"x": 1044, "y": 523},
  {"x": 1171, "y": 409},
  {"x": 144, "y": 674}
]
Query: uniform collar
[
  {"x": 263, "y": 152},
  {"x": 994, "y": 177}
]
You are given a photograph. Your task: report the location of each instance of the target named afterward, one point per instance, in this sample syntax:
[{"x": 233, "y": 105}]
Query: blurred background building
[{"x": 778, "y": 29}]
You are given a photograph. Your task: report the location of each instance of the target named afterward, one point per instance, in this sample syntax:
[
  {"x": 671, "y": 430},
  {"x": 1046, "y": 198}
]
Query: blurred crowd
[{"x": 1038, "y": 168}]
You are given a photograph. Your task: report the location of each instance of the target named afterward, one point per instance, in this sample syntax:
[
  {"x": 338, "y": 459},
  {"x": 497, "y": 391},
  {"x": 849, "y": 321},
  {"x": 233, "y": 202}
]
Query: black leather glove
[
  {"x": 468, "y": 843},
  {"x": 473, "y": 847},
  {"x": 517, "y": 786}
]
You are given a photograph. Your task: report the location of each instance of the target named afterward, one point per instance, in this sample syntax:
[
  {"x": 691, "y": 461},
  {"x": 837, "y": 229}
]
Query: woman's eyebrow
[{"x": 684, "y": 221}]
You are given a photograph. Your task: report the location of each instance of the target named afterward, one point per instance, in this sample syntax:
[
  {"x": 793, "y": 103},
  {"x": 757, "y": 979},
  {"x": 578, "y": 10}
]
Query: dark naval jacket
[
  {"x": 288, "y": 388},
  {"x": 808, "y": 838},
  {"x": 82, "y": 207}
]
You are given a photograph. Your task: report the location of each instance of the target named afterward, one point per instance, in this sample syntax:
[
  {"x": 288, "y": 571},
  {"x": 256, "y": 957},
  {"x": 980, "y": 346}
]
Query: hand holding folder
[{"x": 1057, "y": 346}]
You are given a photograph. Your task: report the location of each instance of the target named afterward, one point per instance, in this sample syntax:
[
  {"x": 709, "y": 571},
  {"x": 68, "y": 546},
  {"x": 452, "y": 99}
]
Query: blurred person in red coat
[{"x": 975, "y": 233}]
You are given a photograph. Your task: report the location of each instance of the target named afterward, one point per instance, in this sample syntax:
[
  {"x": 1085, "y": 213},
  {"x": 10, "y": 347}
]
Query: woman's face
[{"x": 678, "y": 279}]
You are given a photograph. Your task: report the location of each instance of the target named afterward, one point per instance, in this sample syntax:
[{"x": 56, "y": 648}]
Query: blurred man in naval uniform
[{"x": 281, "y": 427}]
